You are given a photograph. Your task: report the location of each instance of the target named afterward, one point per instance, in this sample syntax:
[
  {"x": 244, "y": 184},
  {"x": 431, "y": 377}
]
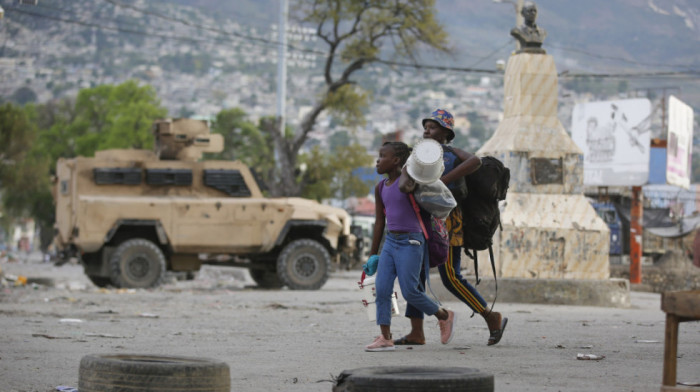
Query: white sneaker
[{"x": 380, "y": 344}]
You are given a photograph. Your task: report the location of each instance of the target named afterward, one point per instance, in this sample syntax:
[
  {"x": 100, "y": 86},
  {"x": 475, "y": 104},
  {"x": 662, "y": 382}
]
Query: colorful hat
[{"x": 445, "y": 119}]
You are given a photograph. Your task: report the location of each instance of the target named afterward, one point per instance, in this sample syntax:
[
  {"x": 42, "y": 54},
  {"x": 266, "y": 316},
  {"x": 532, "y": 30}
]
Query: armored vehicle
[{"x": 131, "y": 215}]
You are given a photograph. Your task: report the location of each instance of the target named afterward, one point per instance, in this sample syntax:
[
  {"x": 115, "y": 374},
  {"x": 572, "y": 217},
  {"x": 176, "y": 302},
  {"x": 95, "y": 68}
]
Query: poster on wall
[
  {"x": 615, "y": 139},
  {"x": 679, "y": 143}
]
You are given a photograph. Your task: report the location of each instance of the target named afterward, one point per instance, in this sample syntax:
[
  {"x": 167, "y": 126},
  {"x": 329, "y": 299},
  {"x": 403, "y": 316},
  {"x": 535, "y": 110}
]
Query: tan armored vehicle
[{"x": 132, "y": 215}]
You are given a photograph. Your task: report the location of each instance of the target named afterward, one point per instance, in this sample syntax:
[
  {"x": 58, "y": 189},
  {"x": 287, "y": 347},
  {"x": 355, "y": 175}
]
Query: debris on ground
[{"x": 589, "y": 357}]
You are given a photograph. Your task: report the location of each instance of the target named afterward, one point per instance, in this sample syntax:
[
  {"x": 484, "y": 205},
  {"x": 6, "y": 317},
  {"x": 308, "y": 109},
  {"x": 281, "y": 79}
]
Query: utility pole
[
  {"x": 518, "y": 4},
  {"x": 282, "y": 65},
  {"x": 281, "y": 97}
]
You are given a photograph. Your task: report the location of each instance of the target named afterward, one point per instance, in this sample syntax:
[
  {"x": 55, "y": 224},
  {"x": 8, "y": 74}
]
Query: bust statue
[{"x": 529, "y": 35}]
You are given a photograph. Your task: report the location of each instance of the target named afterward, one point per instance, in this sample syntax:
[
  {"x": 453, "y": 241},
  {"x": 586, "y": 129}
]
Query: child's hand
[{"x": 370, "y": 267}]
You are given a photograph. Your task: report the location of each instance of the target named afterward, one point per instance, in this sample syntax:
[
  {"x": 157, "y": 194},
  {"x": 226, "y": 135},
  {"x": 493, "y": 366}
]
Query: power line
[
  {"x": 207, "y": 28},
  {"x": 482, "y": 59},
  {"x": 690, "y": 73},
  {"x": 600, "y": 56},
  {"x": 102, "y": 27}
]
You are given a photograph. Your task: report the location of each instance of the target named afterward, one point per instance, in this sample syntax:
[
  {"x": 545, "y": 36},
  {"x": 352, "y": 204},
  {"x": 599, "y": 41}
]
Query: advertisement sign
[
  {"x": 615, "y": 139},
  {"x": 680, "y": 143}
]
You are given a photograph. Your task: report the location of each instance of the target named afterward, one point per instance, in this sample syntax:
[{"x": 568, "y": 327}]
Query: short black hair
[{"x": 401, "y": 150}]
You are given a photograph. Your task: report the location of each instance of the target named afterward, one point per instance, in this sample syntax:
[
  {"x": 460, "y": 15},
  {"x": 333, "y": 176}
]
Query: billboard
[
  {"x": 615, "y": 139},
  {"x": 679, "y": 143}
]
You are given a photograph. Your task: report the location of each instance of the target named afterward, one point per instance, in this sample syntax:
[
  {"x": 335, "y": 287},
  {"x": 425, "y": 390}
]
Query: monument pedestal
[{"x": 550, "y": 230}]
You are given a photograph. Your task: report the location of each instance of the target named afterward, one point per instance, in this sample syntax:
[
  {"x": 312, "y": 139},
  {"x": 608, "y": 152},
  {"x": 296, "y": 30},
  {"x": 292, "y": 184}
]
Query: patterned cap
[{"x": 445, "y": 119}]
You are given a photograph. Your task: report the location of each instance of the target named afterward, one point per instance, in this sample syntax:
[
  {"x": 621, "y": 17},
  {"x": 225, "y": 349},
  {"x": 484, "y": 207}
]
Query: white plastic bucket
[
  {"x": 369, "y": 299},
  {"x": 425, "y": 164}
]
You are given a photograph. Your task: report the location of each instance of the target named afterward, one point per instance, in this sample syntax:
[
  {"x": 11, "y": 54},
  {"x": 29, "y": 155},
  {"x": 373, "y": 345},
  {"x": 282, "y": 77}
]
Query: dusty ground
[{"x": 297, "y": 341}]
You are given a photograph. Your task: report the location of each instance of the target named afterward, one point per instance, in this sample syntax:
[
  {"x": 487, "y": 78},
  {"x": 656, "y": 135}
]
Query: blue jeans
[
  {"x": 402, "y": 257},
  {"x": 455, "y": 283}
]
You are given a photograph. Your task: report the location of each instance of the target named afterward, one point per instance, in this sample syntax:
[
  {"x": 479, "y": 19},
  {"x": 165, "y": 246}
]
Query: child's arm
[
  {"x": 406, "y": 183},
  {"x": 379, "y": 221},
  {"x": 470, "y": 163}
]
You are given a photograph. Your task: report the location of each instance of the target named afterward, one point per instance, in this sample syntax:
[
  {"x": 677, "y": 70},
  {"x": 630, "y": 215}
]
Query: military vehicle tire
[
  {"x": 266, "y": 279},
  {"x": 133, "y": 372},
  {"x": 304, "y": 265},
  {"x": 99, "y": 281},
  {"x": 414, "y": 378},
  {"x": 137, "y": 263}
]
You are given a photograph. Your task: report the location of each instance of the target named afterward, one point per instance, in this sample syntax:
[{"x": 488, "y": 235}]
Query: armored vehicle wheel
[
  {"x": 133, "y": 372},
  {"x": 100, "y": 281},
  {"x": 266, "y": 279},
  {"x": 137, "y": 263},
  {"x": 304, "y": 265}
]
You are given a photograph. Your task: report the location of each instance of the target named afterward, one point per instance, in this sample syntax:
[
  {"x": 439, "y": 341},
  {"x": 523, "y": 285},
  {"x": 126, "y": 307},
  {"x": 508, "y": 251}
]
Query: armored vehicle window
[
  {"x": 117, "y": 175},
  {"x": 230, "y": 182},
  {"x": 169, "y": 177}
]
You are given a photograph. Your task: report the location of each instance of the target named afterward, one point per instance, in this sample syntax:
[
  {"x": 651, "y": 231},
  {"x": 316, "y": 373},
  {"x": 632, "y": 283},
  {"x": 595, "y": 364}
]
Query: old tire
[
  {"x": 266, "y": 279},
  {"x": 304, "y": 265},
  {"x": 413, "y": 379},
  {"x": 131, "y": 373},
  {"x": 137, "y": 263}
]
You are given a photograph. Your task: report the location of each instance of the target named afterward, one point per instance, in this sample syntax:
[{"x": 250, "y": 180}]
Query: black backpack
[{"x": 480, "y": 214}]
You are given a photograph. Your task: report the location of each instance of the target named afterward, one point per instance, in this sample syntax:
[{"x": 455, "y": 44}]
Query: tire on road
[
  {"x": 304, "y": 264},
  {"x": 414, "y": 379},
  {"x": 100, "y": 281},
  {"x": 266, "y": 279},
  {"x": 139, "y": 373},
  {"x": 137, "y": 263}
]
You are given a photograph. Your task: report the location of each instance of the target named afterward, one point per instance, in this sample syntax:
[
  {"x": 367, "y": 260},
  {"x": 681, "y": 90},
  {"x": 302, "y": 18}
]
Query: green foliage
[
  {"x": 35, "y": 137},
  {"x": 329, "y": 174},
  {"x": 24, "y": 179},
  {"x": 243, "y": 140},
  {"x": 346, "y": 104},
  {"x": 101, "y": 118},
  {"x": 339, "y": 139}
]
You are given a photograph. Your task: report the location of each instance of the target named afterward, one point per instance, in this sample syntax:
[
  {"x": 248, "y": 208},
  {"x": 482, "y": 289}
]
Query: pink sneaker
[
  {"x": 447, "y": 327},
  {"x": 380, "y": 344}
]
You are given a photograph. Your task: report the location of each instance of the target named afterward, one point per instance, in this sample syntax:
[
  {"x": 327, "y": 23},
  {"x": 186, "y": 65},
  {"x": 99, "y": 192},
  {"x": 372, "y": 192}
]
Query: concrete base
[{"x": 607, "y": 292}]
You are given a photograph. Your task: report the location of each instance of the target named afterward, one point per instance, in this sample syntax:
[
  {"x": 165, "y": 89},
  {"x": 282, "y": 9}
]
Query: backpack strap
[
  {"x": 495, "y": 280},
  {"x": 426, "y": 255},
  {"x": 416, "y": 209},
  {"x": 472, "y": 253}
]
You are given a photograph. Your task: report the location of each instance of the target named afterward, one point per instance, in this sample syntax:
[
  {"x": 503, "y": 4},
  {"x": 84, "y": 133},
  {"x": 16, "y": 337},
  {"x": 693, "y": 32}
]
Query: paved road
[{"x": 298, "y": 341}]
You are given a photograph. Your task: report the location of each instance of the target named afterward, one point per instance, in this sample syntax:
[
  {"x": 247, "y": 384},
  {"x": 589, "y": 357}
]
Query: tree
[
  {"x": 329, "y": 175},
  {"x": 245, "y": 141},
  {"x": 356, "y": 33},
  {"x": 24, "y": 179},
  {"x": 100, "y": 118}
]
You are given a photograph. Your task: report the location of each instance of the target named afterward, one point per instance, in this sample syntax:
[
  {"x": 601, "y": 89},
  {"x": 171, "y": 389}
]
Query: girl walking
[
  {"x": 403, "y": 250},
  {"x": 458, "y": 163}
]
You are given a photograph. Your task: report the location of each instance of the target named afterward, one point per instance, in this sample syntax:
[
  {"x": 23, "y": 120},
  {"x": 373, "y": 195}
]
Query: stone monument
[{"x": 550, "y": 230}]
